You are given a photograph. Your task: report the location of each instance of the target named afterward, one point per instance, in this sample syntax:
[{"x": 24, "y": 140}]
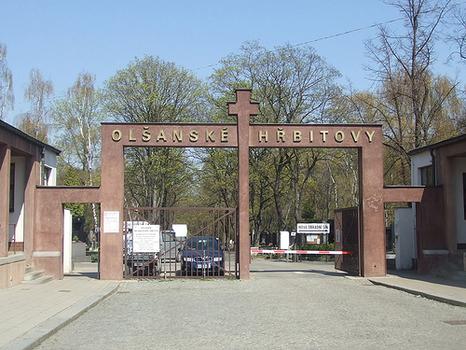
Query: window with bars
[
  {"x": 427, "y": 175},
  {"x": 46, "y": 172}
]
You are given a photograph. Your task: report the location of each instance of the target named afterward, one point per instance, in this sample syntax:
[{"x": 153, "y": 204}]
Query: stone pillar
[
  {"x": 372, "y": 227},
  {"x": 243, "y": 108},
  {"x": 112, "y": 197},
  {"x": 5, "y": 159},
  {"x": 449, "y": 189},
  {"x": 32, "y": 180}
]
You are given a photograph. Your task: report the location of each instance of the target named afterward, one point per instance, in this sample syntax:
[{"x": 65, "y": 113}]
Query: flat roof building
[
  {"x": 432, "y": 234},
  {"x": 25, "y": 163}
]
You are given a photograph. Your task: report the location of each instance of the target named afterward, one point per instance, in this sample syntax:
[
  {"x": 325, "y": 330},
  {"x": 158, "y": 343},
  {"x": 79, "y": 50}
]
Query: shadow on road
[
  {"x": 84, "y": 269},
  {"x": 320, "y": 272},
  {"x": 94, "y": 275}
]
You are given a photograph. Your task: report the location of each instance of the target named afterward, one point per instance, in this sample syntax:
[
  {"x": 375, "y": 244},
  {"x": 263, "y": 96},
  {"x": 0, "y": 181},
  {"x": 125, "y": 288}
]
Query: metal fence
[{"x": 207, "y": 249}]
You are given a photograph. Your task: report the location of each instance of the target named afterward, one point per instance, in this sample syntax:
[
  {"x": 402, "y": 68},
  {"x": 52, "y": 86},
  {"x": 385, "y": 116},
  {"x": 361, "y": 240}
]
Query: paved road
[{"x": 284, "y": 305}]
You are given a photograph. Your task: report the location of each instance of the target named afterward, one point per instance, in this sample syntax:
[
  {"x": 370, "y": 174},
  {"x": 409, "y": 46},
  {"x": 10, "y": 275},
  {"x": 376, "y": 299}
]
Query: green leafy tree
[{"x": 152, "y": 90}]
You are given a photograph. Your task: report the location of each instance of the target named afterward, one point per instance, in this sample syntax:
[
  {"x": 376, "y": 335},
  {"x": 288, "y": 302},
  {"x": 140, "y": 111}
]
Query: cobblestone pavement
[
  {"x": 283, "y": 306},
  {"x": 29, "y": 311}
]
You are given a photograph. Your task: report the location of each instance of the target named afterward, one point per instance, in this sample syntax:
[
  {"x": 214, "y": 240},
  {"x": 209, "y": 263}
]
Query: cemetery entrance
[
  {"x": 366, "y": 138},
  {"x": 242, "y": 135}
]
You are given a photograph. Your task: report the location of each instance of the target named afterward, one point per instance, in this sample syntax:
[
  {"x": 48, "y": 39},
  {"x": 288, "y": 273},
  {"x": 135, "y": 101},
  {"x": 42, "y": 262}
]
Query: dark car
[{"x": 202, "y": 255}]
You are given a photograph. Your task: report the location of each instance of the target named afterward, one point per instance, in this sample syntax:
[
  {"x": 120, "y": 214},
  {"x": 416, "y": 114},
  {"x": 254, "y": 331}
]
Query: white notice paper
[
  {"x": 284, "y": 240},
  {"x": 111, "y": 221},
  {"x": 181, "y": 230},
  {"x": 313, "y": 239},
  {"x": 146, "y": 238}
]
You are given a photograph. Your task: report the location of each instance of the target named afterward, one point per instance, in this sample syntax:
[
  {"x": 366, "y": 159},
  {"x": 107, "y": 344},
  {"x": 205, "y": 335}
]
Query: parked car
[
  {"x": 202, "y": 255},
  {"x": 169, "y": 246}
]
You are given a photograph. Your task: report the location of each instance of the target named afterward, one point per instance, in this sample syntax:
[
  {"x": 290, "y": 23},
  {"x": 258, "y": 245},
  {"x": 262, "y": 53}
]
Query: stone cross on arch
[{"x": 243, "y": 107}]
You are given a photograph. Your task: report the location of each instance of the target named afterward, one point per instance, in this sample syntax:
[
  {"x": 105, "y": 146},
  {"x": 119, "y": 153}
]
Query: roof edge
[
  {"x": 21, "y": 133},
  {"x": 439, "y": 144}
]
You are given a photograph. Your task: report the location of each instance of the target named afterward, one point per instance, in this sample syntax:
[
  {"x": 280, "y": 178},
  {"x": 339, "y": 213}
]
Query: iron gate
[
  {"x": 347, "y": 238},
  {"x": 207, "y": 249}
]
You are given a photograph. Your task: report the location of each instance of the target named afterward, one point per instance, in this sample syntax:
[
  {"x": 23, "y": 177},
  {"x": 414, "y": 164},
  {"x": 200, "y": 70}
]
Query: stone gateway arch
[{"x": 366, "y": 138}]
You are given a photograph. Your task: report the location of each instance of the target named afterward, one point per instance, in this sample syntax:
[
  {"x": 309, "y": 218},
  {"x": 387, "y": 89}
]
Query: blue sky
[{"x": 64, "y": 38}]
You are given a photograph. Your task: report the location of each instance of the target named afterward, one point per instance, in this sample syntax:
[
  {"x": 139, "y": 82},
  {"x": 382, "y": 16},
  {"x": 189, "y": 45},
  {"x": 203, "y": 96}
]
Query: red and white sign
[{"x": 302, "y": 252}]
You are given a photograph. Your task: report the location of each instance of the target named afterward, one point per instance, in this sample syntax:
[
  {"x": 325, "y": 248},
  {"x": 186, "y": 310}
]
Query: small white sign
[
  {"x": 284, "y": 240},
  {"x": 181, "y": 230},
  {"x": 128, "y": 225},
  {"x": 146, "y": 238},
  {"x": 338, "y": 235},
  {"x": 111, "y": 221},
  {"x": 313, "y": 239},
  {"x": 293, "y": 234},
  {"x": 321, "y": 228}
]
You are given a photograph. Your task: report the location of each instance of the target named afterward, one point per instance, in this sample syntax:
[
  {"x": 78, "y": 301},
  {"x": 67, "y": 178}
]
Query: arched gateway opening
[{"x": 366, "y": 138}]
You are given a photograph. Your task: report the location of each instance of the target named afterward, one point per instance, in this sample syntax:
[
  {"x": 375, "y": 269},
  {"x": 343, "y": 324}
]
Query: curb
[
  {"x": 422, "y": 294},
  {"x": 42, "y": 331}
]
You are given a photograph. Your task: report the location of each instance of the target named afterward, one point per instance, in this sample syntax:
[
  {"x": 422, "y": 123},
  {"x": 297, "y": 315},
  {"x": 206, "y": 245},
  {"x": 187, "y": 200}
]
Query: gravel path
[{"x": 283, "y": 306}]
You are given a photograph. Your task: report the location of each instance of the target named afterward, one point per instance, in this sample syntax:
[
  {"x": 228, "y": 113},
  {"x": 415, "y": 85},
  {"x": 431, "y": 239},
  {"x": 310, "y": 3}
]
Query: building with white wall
[
  {"x": 427, "y": 238},
  {"x": 25, "y": 163},
  {"x": 48, "y": 177}
]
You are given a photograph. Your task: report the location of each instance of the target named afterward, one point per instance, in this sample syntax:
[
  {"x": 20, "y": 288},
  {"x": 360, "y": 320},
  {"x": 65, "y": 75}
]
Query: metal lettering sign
[
  {"x": 262, "y": 135},
  {"x": 146, "y": 238},
  {"x": 313, "y": 228}
]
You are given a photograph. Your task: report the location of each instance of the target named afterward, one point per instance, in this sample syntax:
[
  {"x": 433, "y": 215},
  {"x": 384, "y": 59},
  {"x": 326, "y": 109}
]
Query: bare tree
[
  {"x": 6, "y": 83},
  {"x": 408, "y": 99},
  {"x": 38, "y": 93},
  {"x": 77, "y": 120},
  {"x": 457, "y": 31}
]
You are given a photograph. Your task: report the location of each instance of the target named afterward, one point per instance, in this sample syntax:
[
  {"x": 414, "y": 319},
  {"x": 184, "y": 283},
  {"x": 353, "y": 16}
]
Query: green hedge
[{"x": 327, "y": 246}]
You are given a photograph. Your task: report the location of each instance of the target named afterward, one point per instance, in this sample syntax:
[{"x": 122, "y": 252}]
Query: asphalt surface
[{"x": 283, "y": 306}]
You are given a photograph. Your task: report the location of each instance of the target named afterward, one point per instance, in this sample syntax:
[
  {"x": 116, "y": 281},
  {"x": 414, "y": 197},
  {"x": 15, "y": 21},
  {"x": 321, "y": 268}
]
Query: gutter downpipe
[{"x": 434, "y": 168}]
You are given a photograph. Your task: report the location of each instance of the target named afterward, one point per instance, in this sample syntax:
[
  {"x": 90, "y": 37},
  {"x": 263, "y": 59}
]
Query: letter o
[
  {"x": 116, "y": 135},
  {"x": 339, "y": 136}
]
